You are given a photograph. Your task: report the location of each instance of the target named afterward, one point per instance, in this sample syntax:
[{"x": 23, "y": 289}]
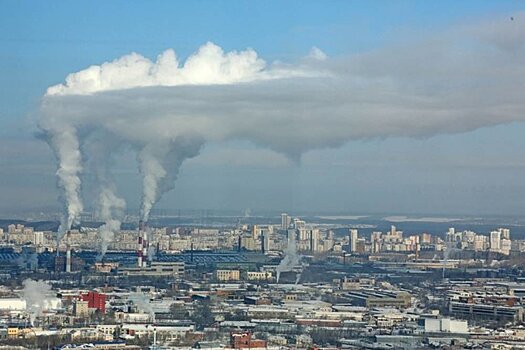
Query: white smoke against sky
[
  {"x": 209, "y": 65},
  {"x": 159, "y": 164},
  {"x": 458, "y": 80},
  {"x": 64, "y": 141},
  {"x": 37, "y": 295},
  {"x": 100, "y": 148}
]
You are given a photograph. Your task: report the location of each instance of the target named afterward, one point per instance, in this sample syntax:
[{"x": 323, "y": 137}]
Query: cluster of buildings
[
  {"x": 310, "y": 239},
  {"x": 245, "y": 287},
  {"x": 498, "y": 241},
  {"x": 352, "y": 312}
]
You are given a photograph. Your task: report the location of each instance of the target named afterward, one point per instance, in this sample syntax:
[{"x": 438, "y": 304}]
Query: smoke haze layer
[{"x": 466, "y": 78}]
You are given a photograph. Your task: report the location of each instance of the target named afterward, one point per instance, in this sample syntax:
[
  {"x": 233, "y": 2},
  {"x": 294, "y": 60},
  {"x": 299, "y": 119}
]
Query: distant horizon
[
  {"x": 273, "y": 213},
  {"x": 365, "y": 224},
  {"x": 394, "y": 108}
]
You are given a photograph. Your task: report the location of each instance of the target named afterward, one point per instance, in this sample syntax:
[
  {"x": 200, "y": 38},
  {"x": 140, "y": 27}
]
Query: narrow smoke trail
[
  {"x": 291, "y": 258},
  {"x": 152, "y": 252},
  {"x": 152, "y": 172},
  {"x": 99, "y": 148},
  {"x": 111, "y": 207}
]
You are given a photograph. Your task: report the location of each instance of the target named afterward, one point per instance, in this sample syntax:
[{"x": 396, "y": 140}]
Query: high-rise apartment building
[{"x": 353, "y": 240}]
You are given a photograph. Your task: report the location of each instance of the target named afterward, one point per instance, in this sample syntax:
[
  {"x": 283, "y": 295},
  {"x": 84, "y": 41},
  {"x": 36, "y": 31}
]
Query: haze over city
[{"x": 417, "y": 106}]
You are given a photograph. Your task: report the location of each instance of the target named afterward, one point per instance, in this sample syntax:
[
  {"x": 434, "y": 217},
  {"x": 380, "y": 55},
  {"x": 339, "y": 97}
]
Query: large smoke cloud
[{"x": 458, "y": 80}]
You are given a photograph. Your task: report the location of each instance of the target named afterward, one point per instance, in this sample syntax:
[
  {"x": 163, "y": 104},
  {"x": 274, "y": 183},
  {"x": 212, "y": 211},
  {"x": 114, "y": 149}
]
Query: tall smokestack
[
  {"x": 68, "y": 253},
  {"x": 155, "y": 337},
  {"x": 68, "y": 260},
  {"x": 140, "y": 250},
  {"x": 145, "y": 244}
]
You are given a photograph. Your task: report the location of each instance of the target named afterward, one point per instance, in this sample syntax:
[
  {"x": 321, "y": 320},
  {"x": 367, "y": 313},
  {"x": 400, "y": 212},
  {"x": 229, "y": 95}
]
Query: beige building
[
  {"x": 250, "y": 243},
  {"x": 180, "y": 244},
  {"x": 81, "y": 308},
  {"x": 228, "y": 275}
]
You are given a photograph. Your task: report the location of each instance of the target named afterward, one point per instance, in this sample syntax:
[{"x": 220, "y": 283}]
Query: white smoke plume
[
  {"x": 111, "y": 209},
  {"x": 152, "y": 252},
  {"x": 209, "y": 65},
  {"x": 143, "y": 303},
  {"x": 159, "y": 164},
  {"x": 152, "y": 244},
  {"x": 459, "y": 80},
  {"x": 99, "y": 148},
  {"x": 65, "y": 144},
  {"x": 107, "y": 235},
  {"x": 291, "y": 258},
  {"x": 37, "y": 295}
]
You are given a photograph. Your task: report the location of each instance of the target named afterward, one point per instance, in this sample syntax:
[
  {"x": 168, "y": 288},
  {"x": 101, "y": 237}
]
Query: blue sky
[{"x": 42, "y": 41}]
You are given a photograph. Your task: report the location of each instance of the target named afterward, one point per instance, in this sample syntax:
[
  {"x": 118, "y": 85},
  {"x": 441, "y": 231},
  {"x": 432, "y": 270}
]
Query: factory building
[
  {"x": 171, "y": 269},
  {"x": 95, "y": 300},
  {"x": 486, "y": 311}
]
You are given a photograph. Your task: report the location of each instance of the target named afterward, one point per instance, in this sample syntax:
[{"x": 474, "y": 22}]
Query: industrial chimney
[
  {"x": 142, "y": 252},
  {"x": 68, "y": 252}
]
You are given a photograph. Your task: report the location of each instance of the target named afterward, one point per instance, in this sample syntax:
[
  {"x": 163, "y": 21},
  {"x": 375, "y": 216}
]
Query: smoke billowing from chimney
[
  {"x": 160, "y": 163},
  {"x": 168, "y": 110},
  {"x": 37, "y": 297},
  {"x": 65, "y": 144},
  {"x": 142, "y": 302},
  {"x": 99, "y": 148},
  {"x": 291, "y": 258}
]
